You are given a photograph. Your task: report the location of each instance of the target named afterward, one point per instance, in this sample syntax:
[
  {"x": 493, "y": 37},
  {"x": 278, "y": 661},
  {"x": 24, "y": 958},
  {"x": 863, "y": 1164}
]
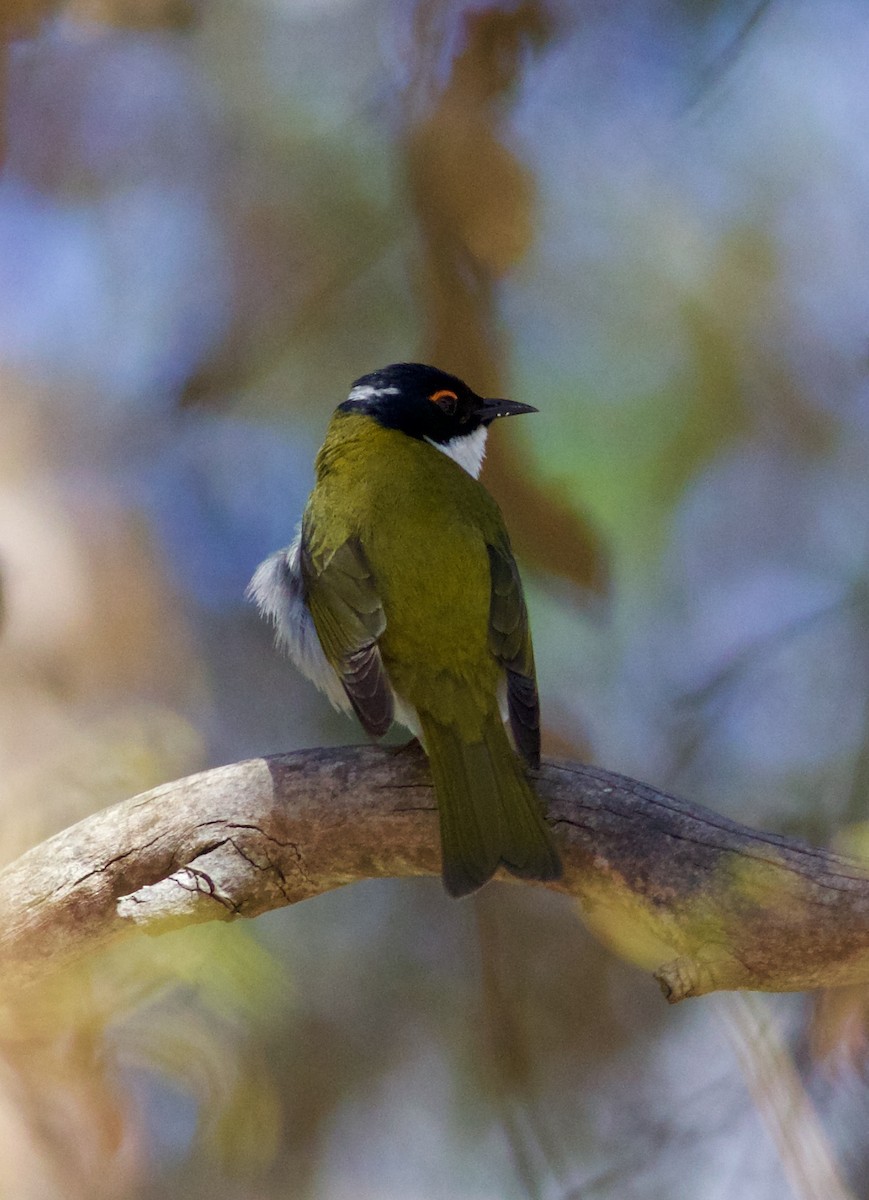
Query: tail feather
[{"x": 489, "y": 815}]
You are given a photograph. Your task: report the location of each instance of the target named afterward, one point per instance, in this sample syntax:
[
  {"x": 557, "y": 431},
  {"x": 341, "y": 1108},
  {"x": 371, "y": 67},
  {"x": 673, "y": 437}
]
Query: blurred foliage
[
  {"x": 474, "y": 204},
  {"x": 181, "y": 1008},
  {"x": 649, "y": 221},
  {"x": 21, "y": 17}
]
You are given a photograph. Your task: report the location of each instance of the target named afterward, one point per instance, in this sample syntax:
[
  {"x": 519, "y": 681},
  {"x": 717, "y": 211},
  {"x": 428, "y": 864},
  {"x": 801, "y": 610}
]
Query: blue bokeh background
[{"x": 653, "y": 218}]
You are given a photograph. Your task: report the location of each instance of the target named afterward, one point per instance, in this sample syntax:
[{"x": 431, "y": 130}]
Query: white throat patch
[{"x": 468, "y": 450}]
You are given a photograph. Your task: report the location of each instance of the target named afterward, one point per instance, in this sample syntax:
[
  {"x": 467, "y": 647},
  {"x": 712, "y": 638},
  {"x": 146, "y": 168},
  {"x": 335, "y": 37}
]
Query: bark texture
[{"x": 703, "y": 902}]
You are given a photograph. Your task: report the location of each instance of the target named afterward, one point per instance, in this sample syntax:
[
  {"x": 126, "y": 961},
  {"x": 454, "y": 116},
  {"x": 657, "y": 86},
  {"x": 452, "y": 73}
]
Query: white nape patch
[
  {"x": 468, "y": 451},
  {"x": 278, "y": 591},
  {"x": 365, "y": 391}
]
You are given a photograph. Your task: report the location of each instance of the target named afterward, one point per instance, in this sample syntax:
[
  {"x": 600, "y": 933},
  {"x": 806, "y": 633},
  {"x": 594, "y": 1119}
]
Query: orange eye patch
[{"x": 445, "y": 399}]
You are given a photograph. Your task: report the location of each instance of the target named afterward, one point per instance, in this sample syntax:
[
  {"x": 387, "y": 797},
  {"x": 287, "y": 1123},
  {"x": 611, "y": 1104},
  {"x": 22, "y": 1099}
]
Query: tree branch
[{"x": 704, "y": 902}]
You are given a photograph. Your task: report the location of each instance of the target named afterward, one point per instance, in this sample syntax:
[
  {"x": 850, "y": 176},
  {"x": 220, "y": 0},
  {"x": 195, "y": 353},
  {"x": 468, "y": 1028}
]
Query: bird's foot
[{"x": 413, "y": 746}]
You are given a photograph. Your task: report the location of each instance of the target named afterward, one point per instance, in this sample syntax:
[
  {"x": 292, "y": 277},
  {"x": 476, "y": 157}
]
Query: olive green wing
[
  {"x": 342, "y": 598},
  {"x": 510, "y": 642}
]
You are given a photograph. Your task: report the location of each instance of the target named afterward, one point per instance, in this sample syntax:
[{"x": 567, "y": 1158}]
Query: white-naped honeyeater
[{"x": 401, "y": 600}]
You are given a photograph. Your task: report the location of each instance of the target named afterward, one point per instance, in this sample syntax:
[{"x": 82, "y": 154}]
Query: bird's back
[{"x": 423, "y": 523}]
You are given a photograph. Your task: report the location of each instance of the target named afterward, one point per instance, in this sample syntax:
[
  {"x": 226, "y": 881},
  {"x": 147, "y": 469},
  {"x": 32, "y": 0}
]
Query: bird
[{"x": 401, "y": 600}]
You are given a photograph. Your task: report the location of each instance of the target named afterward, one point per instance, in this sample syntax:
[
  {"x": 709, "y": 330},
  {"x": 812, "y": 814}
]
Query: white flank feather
[{"x": 278, "y": 590}]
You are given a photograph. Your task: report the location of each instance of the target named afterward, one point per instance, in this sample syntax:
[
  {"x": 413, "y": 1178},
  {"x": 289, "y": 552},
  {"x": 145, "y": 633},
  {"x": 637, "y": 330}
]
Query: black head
[{"x": 424, "y": 402}]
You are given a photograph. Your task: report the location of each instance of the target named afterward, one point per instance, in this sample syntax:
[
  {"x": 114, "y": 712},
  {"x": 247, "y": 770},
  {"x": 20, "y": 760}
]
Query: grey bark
[{"x": 702, "y": 901}]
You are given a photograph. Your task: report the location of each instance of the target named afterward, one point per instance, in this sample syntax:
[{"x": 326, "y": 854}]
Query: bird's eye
[{"x": 445, "y": 400}]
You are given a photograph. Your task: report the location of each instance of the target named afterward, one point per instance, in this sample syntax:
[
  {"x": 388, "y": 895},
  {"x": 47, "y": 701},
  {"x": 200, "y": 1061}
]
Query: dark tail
[{"x": 489, "y": 815}]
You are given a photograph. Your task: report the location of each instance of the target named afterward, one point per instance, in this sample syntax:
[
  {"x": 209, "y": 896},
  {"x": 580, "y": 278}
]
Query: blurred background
[{"x": 649, "y": 219}]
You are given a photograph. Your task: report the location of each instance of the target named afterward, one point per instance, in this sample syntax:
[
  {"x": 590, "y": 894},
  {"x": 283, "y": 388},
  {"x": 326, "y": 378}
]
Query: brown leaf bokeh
[{"x": 474, "y": 203}]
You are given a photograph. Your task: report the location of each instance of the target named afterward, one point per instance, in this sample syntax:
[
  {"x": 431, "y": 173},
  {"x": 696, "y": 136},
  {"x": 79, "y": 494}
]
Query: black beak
[{"x": 488, "y": 410}]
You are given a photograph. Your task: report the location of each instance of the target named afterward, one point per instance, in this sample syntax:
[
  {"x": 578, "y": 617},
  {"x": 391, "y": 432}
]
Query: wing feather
[
  {"x": 510, "y": 642},
  {"x": 348, "y": 616}
]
